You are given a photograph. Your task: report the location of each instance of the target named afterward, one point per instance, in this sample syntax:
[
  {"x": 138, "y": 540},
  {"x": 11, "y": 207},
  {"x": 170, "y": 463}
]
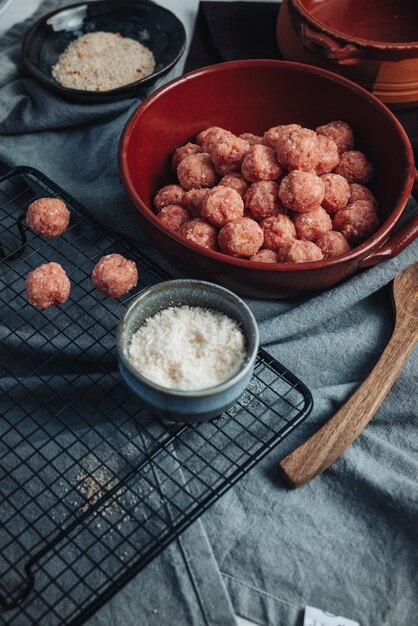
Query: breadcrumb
[{"x": 101, "y": 61}]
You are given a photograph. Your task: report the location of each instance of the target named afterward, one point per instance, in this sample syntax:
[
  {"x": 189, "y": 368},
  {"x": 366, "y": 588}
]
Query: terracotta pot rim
[
  {"x": 365, "y": 43},
  {"x": 359, "y": 252}
]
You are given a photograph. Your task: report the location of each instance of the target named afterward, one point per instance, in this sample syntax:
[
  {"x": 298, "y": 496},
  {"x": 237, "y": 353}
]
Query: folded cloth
[{"x": 344, "y": 543}]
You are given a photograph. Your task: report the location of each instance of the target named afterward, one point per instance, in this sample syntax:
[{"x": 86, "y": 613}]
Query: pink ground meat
[
  {"x": 355, "y": 167},
  {"x": 48, "y": 216},
  {"x": 170, "y": 194},
  {"x": 309, "y": 226},
  {"x": 360, "y": 192},
  {"x": 200, "y": 232},
  {"x": 279, "y": 232},
  {"x": 114, "y": 275},
  {"x": 241, "y": 238},
  {"x": 197, "y": 171},
  {"x": 47, "y": 285},
  {"x": 303, "y": 252},
  {"x": 183, "y": 152},
  {"x": 235, "y": 181},
  {"x": 325, "y": 177},
  {"x": 192, "y": 201},
  {"x": 262, "y": 200},
  {"x": 278, "y": 133},
  {"x": 265, "y": 256},
  {"x": 260, "y": 163},
  {"x": 340, "y": 132},
  {"x": 299, "y": 151},
  {"x": 329, "y": 156},
  {"x": 228, "y": 155},
  {"x": 301, "y": 191},
  {"x": 357, "y": 222},
  {"x": 337, "y": 192},
  {"x": 173, "y": 216},
  {"x": 332, "y": 244},
  {"x": 208, "y": 139},
  {"x": 251, "y": 138},
  {"x": 222, "y": 205}
]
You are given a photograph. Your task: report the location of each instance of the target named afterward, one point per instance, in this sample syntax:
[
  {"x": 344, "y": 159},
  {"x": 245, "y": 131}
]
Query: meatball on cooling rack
[{"x": 48, "y": 217}]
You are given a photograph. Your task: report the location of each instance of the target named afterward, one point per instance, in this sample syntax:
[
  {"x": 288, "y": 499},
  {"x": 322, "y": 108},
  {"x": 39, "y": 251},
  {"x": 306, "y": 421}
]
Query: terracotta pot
[
  {"x": 374, "y": 43},
  {"x": 253, "y": 96}
]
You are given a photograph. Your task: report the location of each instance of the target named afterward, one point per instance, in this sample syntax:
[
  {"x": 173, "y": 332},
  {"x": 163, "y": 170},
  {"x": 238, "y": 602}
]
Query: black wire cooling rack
[{"x": 92, "y": 486}]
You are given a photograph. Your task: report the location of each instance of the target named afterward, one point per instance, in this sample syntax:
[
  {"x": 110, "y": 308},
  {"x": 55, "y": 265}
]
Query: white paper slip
[{"x": 316, "y": 617}]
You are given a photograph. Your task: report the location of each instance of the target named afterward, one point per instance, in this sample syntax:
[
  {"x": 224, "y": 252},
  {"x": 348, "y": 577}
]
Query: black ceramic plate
[{"x": 153, "y": 26}]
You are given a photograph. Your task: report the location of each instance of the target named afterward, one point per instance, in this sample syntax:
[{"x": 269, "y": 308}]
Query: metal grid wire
[{"x": 92, "y": 486}]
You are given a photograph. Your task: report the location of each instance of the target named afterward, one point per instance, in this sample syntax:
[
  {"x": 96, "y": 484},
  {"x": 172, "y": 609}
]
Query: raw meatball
[
  {"x": 228, "y": 155},
  {"x": 210, "y": 137},
  {"x": 309, "y": 226},
  {"x": 260, "y": 163},
  {"x": 47, "y": 285},
  {"x": 262, "y": 200},
  {"x": 48, "y": 216},
  {"x": 355, "y": 167},
  {"x": 357, "y": 222},
  {"x": 252, "y": 139},
  {"x": 340, "y": 132},
  {"x": 337, "y": 192},
  {"x": 235, "y": 181},
  {"x": 332, "y": 244},
  {"x": 222, "y": 205},
  {"x": 241, "y": 238},
  {"x": 173, "y": 216},
  {"x": 303, "y": 252},
  {"x": 114, "y": 275},
  {"x": 278, "y": 133},
  {"x": 170, "y": 194},
  {"x": 299, "y": 151},
  {"x": 265, "y": 256},
  {"x": 192, "y": 201},
  {"x": 328, "y": 155},
  {"x": 301, "y": 191},
  {"x": 183, "y": 152},
  {"x": 359, "y": 192},
  {"x": 202, "y": 233},
  {"x": 197, "y": 171},
  {"x": 279, "y": 232}
]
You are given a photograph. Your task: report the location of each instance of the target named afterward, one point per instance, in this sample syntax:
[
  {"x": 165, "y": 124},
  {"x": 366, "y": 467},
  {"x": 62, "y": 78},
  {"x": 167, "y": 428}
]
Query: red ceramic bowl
[
  {"x": 253, "y": 96},
  {"x": 374, "y": 43}
]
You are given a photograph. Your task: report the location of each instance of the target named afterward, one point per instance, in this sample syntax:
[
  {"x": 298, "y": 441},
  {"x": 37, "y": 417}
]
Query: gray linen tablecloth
[{"x": 347, "y": 542}]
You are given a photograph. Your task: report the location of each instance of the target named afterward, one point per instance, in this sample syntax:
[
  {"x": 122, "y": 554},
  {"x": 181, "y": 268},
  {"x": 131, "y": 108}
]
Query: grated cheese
[{"x": 188, "y": 348}]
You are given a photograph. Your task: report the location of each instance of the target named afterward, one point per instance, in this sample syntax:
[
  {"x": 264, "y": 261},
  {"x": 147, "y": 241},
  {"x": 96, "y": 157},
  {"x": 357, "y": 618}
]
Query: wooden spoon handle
[{"x": 333, "y": 438}]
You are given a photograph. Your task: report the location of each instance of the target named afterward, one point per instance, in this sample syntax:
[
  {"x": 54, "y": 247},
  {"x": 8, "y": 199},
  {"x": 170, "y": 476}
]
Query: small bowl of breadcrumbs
[{"x": 103, "y": 51}]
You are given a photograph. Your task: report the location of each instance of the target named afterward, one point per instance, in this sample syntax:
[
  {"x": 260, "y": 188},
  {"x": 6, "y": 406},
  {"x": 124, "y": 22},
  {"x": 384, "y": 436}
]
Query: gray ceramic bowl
[{"x": 187, "y": 406}]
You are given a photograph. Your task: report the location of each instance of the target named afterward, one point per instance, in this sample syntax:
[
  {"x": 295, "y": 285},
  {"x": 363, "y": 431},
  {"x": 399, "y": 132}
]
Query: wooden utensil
[{"x": 333, "y": 438}]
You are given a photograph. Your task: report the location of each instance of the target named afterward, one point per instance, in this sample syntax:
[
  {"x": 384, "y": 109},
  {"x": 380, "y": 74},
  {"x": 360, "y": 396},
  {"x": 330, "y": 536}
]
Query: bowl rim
[
  {"x": 371, "y": 43},
  {"x": 370, "y": 245},
  {"x": 204, "y": 285},
  {"x": 53, "y": 84}
]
